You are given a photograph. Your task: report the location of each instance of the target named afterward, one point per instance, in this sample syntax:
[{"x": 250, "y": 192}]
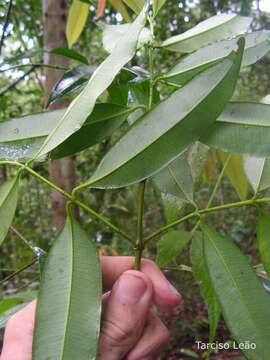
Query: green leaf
[
  {"x": 170, "y": 245},
  {"x": 176, "y": 179},
  {"x": 236, "y": 173},
  {"x": 20, "y": 137},
  {"x": 242, "y": 128},
  {"x": 197, "y": 158},
  {"x": 112, "y": 34},
  {"x": 111, "y": 118},
  {"x": 258, "y": 172},
  {"x": 257, "y": 45},
  {"x": 120, "y": 7},
  {"x": 157, "y": 5},
  {"x": 82, "y": 106},
  {"x": 213, "y": 29},
  {"x": 72, "y": 81},
  {"x": 9, "y": 191},
  {"x": 263, "y": 239},
  {"x": 135, "y": 5},
  {"x": 71, "y": 54},
  {"x": 201, "y": 274},
  {"x": 172, "y": 207},
  {"x": 69, "y": 303},
  {"x": 238, "y": 290},
  {"x": 77, "y": 17},
  {"x": 6, "y": 315},
  {"x": 140, "y": 152}
]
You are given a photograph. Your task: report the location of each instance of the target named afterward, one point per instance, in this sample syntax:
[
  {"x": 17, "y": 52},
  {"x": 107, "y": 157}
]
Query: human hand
[{"x": 130, "y": 330}]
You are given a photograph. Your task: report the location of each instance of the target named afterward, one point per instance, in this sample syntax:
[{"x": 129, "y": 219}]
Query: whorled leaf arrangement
[{"x": 162, "y": 141}]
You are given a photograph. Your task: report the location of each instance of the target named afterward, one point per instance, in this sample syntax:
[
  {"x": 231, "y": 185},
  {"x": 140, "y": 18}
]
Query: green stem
[
  {"x": 164, "y": 229},
  {"x": 151, "y": 80},
  {"x": 90, "y": 211},
  {"x": 139, "y": 246}
]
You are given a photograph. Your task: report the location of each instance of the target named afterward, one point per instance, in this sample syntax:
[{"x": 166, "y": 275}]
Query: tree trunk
[{"x": 62, "y": 172}]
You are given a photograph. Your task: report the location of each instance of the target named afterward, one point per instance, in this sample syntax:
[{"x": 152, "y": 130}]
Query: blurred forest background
[{"x": 24, "y": 89}]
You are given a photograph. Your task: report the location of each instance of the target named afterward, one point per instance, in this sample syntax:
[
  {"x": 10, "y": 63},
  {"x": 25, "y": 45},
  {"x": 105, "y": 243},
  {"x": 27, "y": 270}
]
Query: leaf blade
[
  {"x": 170, "y": 245},
  {"x": 201, "y": 274},
  {"x": 121, "y": 167},
  {"x": 9, "y": 192},
  {"x": 68, "y": 316},
  {"x": 263, "y": 238},
  {"x": 77, "y": 17},
  {"x": 238, "y": 289},
  {"x": 82, "y": 106},
  {"x": 213, "y": 29}
]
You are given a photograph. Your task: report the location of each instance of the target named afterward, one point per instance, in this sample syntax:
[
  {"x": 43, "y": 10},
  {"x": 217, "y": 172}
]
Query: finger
[
  {"x": 154, "y": 339},
  {"x": 125, "y": 314},
  {"x": 19, "y": 334},
  {"x": 165, "y": 295}
]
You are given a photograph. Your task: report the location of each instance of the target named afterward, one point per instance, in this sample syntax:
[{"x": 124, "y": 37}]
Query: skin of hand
[{"x": 130, "y": 328}]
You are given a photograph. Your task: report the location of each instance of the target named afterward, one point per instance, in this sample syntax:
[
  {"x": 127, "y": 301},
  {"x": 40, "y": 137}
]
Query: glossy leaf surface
[
  {"x": 242, "y": 128},
  {"x": 170, "y": 245},
  {"x": 238, "y": 290},
  {"x": 257, "y": 45},
  {"x": 213, "y": 29},
  {"x": 69, "y": 303},
  {"x": 201, "y": 274},
  {"x": 263, "y": 239},
  {"x": 72, "y": 81},
  {"x": 77, "y": 17},
  {"x": 141, "y": 151},
  {"x": 8, "y": 202},
  {"x": 135, "y": 5},
  {"x": 83, "y": 105}
]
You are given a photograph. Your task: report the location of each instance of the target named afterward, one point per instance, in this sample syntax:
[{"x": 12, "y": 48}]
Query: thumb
[{"x": 125, "y": 315}]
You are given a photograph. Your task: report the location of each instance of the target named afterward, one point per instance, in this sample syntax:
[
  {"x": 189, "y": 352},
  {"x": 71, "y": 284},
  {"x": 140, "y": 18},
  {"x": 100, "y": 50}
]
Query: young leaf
[
  {"x": 120, "y": 7},
  {"x": 213, "y": 29},
  {"x": 140, "y": 152},
  {"x": 77, "y": 17},
  {"x": 176, "y": 179},
  {"x": 258, "y": 172},
  {"x": 83, "y": 105},
  {"x": 235, "y": 173},
  {"x": 71, "y": 54},
  {"x": 8, "y": 202},
  {"x": 238, "y": 290},
  {"x": 201, "y": 274},
  {"x": 170, "y": 245},
  {"x": 263, "y": 239},
  {"x": 69, "y": 303},
  {"x": 257, "y": 45},
  {"x": 242, "y": 128},
  {"x": 32, "y": 129}
]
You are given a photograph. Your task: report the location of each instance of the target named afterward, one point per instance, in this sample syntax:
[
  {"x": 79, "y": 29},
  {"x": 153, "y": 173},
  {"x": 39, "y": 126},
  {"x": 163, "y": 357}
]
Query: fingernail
[
  {"x": 130, "y": 289},
  {"x": 174, "y": 291}
]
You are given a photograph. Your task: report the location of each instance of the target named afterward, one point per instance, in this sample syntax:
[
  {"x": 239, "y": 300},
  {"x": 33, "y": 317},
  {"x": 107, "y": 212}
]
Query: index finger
[{"x": 165, "y": 295}]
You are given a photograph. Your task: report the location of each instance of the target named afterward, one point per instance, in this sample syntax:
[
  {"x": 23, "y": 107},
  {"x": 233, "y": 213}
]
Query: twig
[{"x": 16, "y": 82}]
